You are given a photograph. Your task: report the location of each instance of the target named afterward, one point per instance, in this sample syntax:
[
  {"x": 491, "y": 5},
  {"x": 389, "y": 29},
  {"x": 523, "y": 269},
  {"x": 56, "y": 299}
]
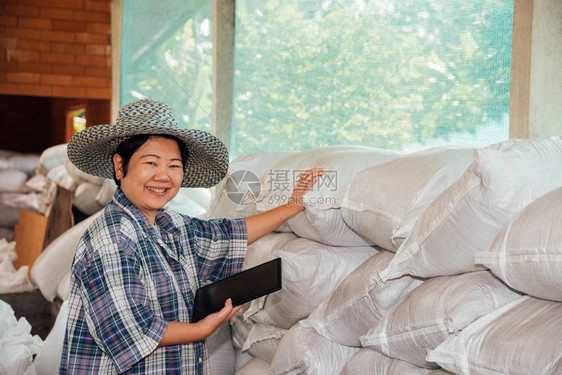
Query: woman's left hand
[{"x": 306, "y": 181}]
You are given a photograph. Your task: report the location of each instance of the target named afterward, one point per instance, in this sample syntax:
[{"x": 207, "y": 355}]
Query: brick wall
[{"x": 55, "y": 48}]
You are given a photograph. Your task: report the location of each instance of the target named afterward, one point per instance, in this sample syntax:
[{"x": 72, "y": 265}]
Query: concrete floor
[{"x": 39, "y": 312}]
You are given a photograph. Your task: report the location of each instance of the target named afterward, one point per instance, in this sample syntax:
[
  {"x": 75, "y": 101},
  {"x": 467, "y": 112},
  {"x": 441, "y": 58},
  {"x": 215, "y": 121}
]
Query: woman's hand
[
  {"x": 306, "y": 181},
  {"x": 181, "y": 333}
]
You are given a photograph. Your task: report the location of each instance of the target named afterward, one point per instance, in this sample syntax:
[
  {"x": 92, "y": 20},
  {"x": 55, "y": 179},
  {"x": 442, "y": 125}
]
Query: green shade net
[
  {"x": 404, "y": 75},
  {"x": 166, "y": 54}
]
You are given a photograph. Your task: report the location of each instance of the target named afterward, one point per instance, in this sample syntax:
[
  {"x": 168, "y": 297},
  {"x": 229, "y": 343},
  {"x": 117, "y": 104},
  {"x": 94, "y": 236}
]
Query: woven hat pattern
[{"x": 92, "y": 149}]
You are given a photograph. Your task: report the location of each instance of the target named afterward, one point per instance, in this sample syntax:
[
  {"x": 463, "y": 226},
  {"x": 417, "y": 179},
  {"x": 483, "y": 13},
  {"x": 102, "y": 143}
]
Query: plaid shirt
[{"x": 130, "y": 278}]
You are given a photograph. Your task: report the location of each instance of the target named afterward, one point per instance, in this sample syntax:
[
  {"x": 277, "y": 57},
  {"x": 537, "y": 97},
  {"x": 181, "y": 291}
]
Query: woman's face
[{"x": 154, "y": 175}]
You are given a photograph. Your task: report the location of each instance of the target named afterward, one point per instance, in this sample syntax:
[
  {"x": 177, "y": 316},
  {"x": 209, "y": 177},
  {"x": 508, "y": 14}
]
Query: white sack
[
  {"x": 36, "y": 183},
  {"x": 51, "y": 157},
  {"x": 241, "y": 359},
  {"x": 106, "y": 192},
  {"x": 13, "y": 181},
  {"x": 85, "y": 198},
  {"x": 24, "y": 162},
  {"x": 254, "y": 366},
  {"x": 261, "y": 250},
  {"x": 369, "y": 362},
  {"x": 527, "y": 254},
  {"x": 63, "y": 289},
  {"x": 60, "y": 176},
  {"x": 523, "y": 337},
  {"x": 383, "y": 202},
  {"x": 465, "y": 218},
  {"x": 12, "y": 281},
  {"x": 184, "y": 205},
  {"x": 321, "y": 221},
  {"x": 28, "y": 201},
  {"x": 47, "y": 361},
  {"x": 78, "y": 176},
  {"x": 237, "y": 193},
  {"x": 311, "y": 272},
  {"x": 262, "y": 341},
  {"x": 17, "y": 345},
  {"x": 56, "y": 259},
  {"x": 201, "y": 196},
  {"x": 434, "y": 311},
  {"x": 221, "y": 351},
  {"x": 359, "y": 302},
  {"x": 303, "y": 351}
]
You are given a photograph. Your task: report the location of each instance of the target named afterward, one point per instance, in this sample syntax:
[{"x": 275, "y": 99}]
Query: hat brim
[{"x": 91, "y": 150}]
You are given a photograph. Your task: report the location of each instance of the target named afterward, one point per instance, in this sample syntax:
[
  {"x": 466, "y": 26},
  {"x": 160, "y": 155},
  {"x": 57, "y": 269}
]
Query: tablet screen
[{"x": 243, "y": 287}]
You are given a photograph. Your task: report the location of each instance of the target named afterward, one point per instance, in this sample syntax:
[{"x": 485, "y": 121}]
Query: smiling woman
[{"x": 137, "y": 267}]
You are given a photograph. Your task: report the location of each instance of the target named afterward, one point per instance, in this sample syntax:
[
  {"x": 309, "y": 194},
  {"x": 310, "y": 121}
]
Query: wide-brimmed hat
[{"x": 91, "y": 150}]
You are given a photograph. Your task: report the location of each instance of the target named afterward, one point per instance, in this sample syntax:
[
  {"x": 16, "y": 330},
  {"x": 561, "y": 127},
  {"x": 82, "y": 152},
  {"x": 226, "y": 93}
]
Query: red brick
[
  {"x": 90, "y": 81},
  {"x": 89, "y": 38},
  {"x": 75, "y": 26},
  {"x": 31, "y": 3},
  {"x": 57, "y": 58},
  {"x": 74, "y": 48},
  {"x": 75, "y": 70},
  {"x": 34, "y": 23},
  {"x": 69, "y": 92},
  {"x": 6, "y": 66},
  {"x": 8, "y": 20},
  {"x": 21, "y": 10},
  {"x": 23, "y": 56},
  {"x": 8, "y": 88},
  {"x": 89, "y": 16},
  {"x": 23, "y": 33},
  {"x": 99, "y": 61},
  {"x": 34, "y": 67},
  {"x": 57, "y": 80},
  {"x": 101, "y": 6},
  {"x": 8, "y": 43},
  {"x": 98, "y": 49},
  {"x": 57, "y": 14},
  {"x": 16, "y": 77},
  {"x": 34, "y": 90},
  {"x": 33, "y": 45},
  {"x": 68, "y": 4},
  {"x": 98, "y": 28},
  {"x": 94, "y": 71},
  {"x": 57, "y": 36},
  {"x": 98, "y": 93}
]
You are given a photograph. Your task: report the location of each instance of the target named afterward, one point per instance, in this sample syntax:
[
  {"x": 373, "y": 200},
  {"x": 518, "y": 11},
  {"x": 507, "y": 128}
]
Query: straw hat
[{"x": 91, "y": 150}]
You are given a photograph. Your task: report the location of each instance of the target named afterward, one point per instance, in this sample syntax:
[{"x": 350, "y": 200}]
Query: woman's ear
[{"x": 118, "y": 166}]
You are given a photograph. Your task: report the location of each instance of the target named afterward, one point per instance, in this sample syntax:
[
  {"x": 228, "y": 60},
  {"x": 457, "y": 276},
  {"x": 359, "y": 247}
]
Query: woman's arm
[
  {"x": 181, "y": 333},
  {"x": 261, "y": 224}
]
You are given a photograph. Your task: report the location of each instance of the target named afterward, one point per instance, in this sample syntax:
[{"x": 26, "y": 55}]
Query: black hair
[{"x": 129, "y": 146}]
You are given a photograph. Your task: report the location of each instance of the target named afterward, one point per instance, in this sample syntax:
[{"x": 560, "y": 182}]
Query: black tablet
[{"x": 243, "y": 287}]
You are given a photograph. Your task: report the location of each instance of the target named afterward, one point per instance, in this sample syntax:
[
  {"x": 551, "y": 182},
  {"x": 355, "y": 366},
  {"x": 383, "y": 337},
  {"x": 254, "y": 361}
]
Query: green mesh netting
[
  {"x": 166, "y": 54},
  {"x": 406, "y": 74}
]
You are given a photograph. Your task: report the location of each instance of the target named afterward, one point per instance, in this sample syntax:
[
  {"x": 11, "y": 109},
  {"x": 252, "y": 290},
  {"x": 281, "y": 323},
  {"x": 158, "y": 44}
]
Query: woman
[{"x": 137, "y": 266}]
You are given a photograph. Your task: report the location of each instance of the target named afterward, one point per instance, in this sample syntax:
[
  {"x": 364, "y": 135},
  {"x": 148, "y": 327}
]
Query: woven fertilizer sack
[
  {"x": 359, "y": 302},
  {"x": 303, "y": 351},
  {"x": 221, "y": 351},
  {"x": 262, "y": 341},
  {"x": 465, "y": 218},
  {"x": 60, "y": 176},
  {"x": 238, "y": 191},
  {"x": 321, "y": 221},
  {"x": 368, "y": 362},
  {"x": 63, "y": 289},
  {"x": 78, "y": 176},
  {"x": 13, "y": 181},
  {"x": 254, "y": 366},
  {"x": 440, "y": 371},
  {"x": 241, "y": 359},
  {"x": 24, "y": 162},
  {"x": 434, "y": 311},
  {"x": 311, "y": 272},
  {"x": 106, "y": 192},
  {"x": 85, "y": 198},
  {"x": 383, "y": 202},
  {"x": 523, "y": 337},
  {"x": 56, "y": 259},
  {"x": 47, "y": 361},
  {"x": 240, "y": 328},
  {"x": 51, "y": 157},
  {"x": 262, "y": 250},
  {"x": 184, "y": 205},
  {"x": 527, "y": 254}
]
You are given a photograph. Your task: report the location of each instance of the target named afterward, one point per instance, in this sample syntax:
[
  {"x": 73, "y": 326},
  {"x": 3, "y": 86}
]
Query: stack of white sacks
[{"x": 447, "y": 260}]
